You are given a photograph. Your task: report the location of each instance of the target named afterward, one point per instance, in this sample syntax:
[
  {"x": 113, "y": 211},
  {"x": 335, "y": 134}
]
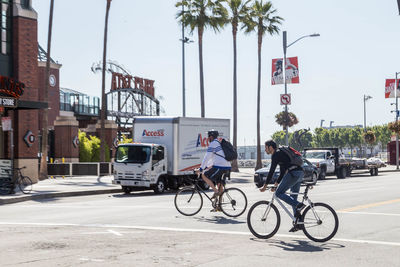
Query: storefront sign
[
  {"x": 121, "y": 81},
  {"x": 5, "y": 168},
  {"x": 10, "y": 87},
  {"x": 8, "y": 102},
  {"x": 6, "y": 123}
]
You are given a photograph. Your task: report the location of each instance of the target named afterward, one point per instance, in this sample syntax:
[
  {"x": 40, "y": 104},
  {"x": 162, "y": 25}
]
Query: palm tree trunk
[
  {"x": 45, "y": 118},
  {"x": 234, "y": 32},
  {"x": 103, "y": 90},
  {"x": 200, "y": 33},
  {"x": 258, "y": 163}
]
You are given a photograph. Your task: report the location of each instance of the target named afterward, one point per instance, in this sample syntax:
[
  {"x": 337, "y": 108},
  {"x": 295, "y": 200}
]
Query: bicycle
[
  {"x": 319, "y": 221},
  {"x": 189, "y": 201},
  {"x": 8, "y": 185}
]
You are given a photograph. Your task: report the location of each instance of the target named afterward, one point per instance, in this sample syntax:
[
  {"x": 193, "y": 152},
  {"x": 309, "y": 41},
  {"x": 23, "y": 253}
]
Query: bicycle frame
[{"x": 305, "y": 198}]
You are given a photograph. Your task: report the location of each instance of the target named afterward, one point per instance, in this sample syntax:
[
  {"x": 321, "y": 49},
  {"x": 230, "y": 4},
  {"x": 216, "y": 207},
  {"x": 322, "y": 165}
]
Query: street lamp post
[
  {"x": 366, "y": 98},
  {"x": 285, "y": 47}
]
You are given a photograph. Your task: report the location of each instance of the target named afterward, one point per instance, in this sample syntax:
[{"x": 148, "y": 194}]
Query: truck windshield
[
  {"x": 314, "y": 155},
  {"x": 133, "y": 154}
]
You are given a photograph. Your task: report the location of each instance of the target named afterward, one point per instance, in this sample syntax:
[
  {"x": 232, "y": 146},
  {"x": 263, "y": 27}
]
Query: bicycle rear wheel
[
  {"x": 320, "y": 222},
  {"x": 188, "y": 201},
  {"x": 233, "y": 202},
  {"x": 263, "y": 219},
  {"x": 25, "y": 184}
]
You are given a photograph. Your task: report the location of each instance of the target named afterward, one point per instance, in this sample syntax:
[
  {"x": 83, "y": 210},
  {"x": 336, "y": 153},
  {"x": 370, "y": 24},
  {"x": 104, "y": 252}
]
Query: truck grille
[{"x": 129, "y": 175}]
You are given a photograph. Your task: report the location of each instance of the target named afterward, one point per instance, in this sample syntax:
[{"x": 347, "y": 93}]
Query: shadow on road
[
  {"x": 219, "y": 220},
  {"x": 300, "y": 245}
]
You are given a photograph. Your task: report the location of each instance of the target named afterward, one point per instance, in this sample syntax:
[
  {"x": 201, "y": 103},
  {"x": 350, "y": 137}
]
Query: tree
[
  {"x": 394, "y": 127},
  {"x": 383, "y": 135},
  {"x": 45, "y": 118},
  {"x": 286, "y": 119},
  {"x": 355, "y": 138},
  {"x": 261, "y": 19},
  {"x": 201, "y": 14},
  {"x": 238, "y": 11},
  {"x": 300, "y": 139},
  {"x": 279, "y": 137},
  {"x": 103, "y": 90}
]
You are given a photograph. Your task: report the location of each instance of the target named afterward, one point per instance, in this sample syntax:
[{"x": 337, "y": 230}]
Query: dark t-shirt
[{"x": 283, "y": 160}]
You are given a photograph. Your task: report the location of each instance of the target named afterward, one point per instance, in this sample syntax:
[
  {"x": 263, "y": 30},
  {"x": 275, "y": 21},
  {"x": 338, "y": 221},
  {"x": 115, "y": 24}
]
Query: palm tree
[
  {"x": 239, "y": 10},
  {"x": 45, "y": 118},
  {"x": 103, "y": 90},
  {"x": 200, "y": 14},
  {"x": 262, "y": 20}
]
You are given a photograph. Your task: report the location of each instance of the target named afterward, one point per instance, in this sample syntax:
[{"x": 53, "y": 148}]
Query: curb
[{"x": 60, "y": 194}]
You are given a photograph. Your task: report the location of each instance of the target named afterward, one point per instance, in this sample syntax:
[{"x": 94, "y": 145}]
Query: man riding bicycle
[
  {"x": 290, "y": 176},
  {"x": 214, "y": 158}
]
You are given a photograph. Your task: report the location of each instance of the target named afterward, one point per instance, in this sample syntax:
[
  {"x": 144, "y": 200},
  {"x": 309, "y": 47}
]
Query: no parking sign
[{"x": 286, "y": 99}]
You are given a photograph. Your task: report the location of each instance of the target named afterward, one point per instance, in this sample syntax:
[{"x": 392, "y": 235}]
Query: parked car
[
  {"x": 310, "y": 173},
  {"x": 376, "y": 161}
]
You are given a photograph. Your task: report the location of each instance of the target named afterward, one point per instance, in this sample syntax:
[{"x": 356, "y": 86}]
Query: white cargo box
[{"x": 185, "y": 138}]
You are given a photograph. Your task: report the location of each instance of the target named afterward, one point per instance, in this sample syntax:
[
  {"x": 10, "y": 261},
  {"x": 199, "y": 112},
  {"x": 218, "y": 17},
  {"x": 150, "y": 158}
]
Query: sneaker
[{"x": 295, "y": 228}]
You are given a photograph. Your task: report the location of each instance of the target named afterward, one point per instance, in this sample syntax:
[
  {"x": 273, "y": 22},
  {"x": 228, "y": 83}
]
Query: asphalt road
[{"x": 143, "y": 229}]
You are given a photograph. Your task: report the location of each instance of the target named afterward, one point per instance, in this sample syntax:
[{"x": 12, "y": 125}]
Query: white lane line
[
  {"x": 193, "y": 230},
  {"x": 367, "y": 213},
  {"x": 114, "y": 232}
]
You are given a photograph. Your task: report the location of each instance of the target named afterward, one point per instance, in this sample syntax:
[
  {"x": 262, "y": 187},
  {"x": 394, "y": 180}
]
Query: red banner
[
  {"x": 277, "y": 71},
  {"x": 389, "y": 88},
  {"x": 292, "y": 70}
]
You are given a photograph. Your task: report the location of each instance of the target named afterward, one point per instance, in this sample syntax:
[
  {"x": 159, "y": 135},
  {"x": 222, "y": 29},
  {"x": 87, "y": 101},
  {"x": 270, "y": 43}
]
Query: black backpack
[
  {"x": 294, "y": 155},
  {"x": 229, "y": 151}
]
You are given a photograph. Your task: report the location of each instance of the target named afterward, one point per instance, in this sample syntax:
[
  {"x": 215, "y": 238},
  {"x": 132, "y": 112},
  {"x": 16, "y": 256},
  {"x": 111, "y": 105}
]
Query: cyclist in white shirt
[{"x": 214, "y": 158}]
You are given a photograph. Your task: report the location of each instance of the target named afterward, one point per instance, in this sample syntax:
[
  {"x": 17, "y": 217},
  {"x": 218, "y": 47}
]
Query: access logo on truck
[
  {"x": 156, "y": 133},
  {"x": 203, "y": 142}
]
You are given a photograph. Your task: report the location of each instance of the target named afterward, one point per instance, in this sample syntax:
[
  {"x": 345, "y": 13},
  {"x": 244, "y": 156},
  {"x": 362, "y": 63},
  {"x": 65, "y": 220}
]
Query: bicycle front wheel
[
  {"x": 188, "y": 201},
  {"x": 263, "y": 219},
  {"x": 25, "y": 184},
  {"x": 233, "y": 202},
  {"x": 320, "y": 222}
]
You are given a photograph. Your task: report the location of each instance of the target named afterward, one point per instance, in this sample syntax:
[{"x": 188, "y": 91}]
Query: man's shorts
[{"x": 215, "y": 174}]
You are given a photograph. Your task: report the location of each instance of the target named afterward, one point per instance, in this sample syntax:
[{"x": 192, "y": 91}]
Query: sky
[{"x": 357, "y": 50}]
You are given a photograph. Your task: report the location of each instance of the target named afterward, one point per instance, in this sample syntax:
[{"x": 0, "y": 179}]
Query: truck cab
[
  {"x": 140, "y": 166},
  {"x": 322, "y": 159}
]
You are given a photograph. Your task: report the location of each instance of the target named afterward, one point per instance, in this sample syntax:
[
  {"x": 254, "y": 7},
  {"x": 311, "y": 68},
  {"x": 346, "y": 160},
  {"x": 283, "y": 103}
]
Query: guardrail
[{"x": 80, "y": 168}]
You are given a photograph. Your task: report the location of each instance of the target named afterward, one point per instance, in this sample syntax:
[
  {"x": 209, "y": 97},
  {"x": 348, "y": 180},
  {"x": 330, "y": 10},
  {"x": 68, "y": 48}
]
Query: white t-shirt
[{"x": 215, "y": 157}]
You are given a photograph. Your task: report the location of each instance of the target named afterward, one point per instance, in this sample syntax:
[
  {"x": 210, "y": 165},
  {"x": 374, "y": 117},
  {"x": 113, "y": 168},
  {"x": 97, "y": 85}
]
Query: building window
[
  {"x": 5, "y": 29},
  {"x": 25, "y": 4}
]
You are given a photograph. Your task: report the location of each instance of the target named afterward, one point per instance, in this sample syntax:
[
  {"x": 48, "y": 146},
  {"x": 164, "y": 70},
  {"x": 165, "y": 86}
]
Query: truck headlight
[{"x": 145, "y": 173}]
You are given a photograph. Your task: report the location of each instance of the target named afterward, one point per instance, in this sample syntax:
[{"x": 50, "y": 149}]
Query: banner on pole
[
  {"x": 277, "y": 71},
  {"x": 389, "y": 88},
  {"x": 292, "y": 71}
]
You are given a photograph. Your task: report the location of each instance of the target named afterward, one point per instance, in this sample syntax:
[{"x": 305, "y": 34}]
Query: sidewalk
[
  {"x": 65, "y": 187},
  {"x": 92, "y": 185}
]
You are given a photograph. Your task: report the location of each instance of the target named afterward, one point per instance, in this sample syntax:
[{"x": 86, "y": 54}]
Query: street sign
[
  {"x": 285, "y": 99},
  {"x": 6, "y": 123}
]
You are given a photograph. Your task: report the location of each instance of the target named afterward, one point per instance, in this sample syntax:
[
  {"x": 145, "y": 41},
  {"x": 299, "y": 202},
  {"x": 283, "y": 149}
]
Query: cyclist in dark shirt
[{"x": 290, "y": 177}]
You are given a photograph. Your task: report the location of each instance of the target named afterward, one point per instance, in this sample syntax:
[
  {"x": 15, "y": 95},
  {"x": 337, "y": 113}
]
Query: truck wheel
[
  {"x": 348, "y": 172},
  {"x": 160, "y": 186},
  {"x": 204, "y": 185},
  {"x": 127, "y": 190},
  {"x": 342, "y": 173},
  {"x": 322, "y": 174}
]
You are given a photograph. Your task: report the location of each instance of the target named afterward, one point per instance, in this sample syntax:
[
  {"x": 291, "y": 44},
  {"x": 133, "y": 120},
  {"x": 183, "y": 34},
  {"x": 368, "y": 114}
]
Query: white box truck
[{"x": 164, "y": 151}]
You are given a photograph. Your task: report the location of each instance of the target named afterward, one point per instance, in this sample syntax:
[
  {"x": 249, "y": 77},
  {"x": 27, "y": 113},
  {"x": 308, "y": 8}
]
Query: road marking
[
  {"x": 193, "y": 230},
  {"x": 368, "y": 213},
  {"x": 114, "y": 232},
  {"x": 376, "y": 204}
]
